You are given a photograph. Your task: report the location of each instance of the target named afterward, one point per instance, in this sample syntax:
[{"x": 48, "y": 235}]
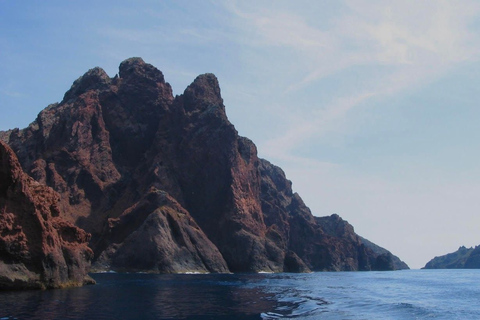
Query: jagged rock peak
[
  {"x": 95, "y": 78},
  {"x": 98, "y": 73},
  {"x": 277, "y": 176},
  {"x": 137, "y": 68},
  {"x": 204, "y": 92}
]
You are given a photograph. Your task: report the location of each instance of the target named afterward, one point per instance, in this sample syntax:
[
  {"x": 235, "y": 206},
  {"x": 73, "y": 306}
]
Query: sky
[{"x": 370, "y": 107}]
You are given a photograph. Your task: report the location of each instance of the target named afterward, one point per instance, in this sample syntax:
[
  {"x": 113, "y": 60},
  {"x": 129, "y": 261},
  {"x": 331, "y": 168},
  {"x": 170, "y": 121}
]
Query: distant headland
[{"x": 463, "y": 258}]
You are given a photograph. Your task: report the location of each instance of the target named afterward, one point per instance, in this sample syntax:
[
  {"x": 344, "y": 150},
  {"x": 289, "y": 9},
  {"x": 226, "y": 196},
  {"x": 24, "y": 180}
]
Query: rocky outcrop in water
[
  {"x": 463, "y": 258},
  {"x": 38, "y": 248},
  {"x": 166, "y": 184}
]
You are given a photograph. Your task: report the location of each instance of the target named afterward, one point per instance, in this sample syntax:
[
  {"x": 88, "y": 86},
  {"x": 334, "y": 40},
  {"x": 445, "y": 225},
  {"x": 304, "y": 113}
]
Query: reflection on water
[
  {"x": 207, "y": 296},
  {"x": 145, "y": 296},
  {"x": 51, "y": 304},
  {"x": 414, "y": 294}
]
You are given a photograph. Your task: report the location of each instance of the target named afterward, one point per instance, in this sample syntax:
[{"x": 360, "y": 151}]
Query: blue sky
[{"x": 370, "y": 107}]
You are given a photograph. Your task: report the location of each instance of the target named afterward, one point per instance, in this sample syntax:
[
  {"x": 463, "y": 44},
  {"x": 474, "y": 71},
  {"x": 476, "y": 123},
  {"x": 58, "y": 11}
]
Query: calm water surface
[{"x": 412, "y": 294}]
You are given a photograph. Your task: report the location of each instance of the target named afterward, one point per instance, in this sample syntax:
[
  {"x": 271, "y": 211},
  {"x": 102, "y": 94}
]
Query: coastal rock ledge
[
  {"x": 38, "y": 248},
  {"x": 165, "y": 184}
]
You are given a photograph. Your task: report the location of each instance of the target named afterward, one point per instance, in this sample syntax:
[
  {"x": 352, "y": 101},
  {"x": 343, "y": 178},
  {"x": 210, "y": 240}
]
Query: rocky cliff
[
  {"x": 38, "y": 248},
  {"x": 463, "y": 258},
  {"x": 166, "y": 184},
  {"x": 385, "y": 260}
]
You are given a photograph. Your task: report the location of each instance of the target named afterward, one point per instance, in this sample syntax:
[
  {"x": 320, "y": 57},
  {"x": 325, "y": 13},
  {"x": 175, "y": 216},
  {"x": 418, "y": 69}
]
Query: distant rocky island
[
  {"x": 463, "y": 258},
  {"x": 155, "y": 183}
]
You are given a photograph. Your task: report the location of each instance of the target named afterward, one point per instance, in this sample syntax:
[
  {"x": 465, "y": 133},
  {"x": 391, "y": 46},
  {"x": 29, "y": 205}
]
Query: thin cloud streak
[
  {"x": 417, "y": 42},
  {"x": 302, "y": 129}
]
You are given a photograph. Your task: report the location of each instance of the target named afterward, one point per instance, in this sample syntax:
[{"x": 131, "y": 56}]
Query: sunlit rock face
[
  {"x": 38, "y": 248},
  {"x": 166, "y": 184}
]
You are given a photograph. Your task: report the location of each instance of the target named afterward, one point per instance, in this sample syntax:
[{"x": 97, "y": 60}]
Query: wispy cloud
[
  {"x": 12, "y": 94},
  {"x": 410, "y": 42},
  {"x": 303, "y": 128}
]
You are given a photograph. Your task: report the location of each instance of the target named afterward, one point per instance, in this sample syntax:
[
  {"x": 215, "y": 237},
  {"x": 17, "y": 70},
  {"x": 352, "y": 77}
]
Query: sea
[{"x": 408, "y": 294}]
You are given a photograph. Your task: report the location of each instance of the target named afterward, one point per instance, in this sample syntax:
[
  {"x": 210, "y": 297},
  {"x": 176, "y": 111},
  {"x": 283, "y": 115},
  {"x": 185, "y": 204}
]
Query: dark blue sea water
[{"x": 412, "y": 294}]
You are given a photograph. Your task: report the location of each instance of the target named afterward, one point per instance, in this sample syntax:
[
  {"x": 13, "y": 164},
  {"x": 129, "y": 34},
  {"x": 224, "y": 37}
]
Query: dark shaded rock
[
  {"x": 293, "y": 263},
  {"x": 384, "y": 262},
  {"x": 219, "y": 179},
  {"x": 158, "y": 235},
  {"x": 396, "y": 262},
  {"x": 463, "y": 258},
  {"x": 94, "y": 79},
  {"x": 166, "y": 184},
  {"x": 38, "y": 248},
  {"x": 473, "y": 261}
]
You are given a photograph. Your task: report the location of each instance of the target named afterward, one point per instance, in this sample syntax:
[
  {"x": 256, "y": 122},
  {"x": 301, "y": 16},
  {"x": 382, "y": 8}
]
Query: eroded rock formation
[
  {"x": 166, "y": 184},
  {"x": 38, "y": 248}
]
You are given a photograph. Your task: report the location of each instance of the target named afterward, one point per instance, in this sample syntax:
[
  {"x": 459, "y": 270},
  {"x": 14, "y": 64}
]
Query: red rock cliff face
[
  {"x": 166, "y": 184},
  {"x": 38, "y": 248}
]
